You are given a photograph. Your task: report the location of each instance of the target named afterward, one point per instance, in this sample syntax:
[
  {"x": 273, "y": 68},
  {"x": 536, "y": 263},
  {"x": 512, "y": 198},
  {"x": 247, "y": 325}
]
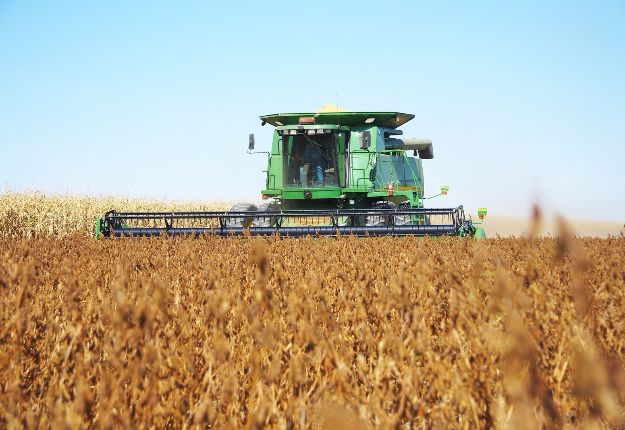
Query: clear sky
[{"x": 525, "y": 101}]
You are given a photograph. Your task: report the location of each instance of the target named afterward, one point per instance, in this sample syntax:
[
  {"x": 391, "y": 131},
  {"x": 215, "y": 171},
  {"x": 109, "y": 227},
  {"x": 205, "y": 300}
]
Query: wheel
[
  {"x": 265, "y": 221},
  {"x": 410, "y": 219},
  {"x": 403, "y": 219},
  {"x": 240, "y": 221},
  {"x": 380, "y": 220}
]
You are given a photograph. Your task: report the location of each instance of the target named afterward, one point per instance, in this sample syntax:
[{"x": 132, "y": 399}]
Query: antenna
[{"x": 336, "y": 105}]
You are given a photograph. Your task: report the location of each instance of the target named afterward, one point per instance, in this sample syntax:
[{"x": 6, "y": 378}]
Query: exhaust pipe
[{"x": 423, "y": 146}]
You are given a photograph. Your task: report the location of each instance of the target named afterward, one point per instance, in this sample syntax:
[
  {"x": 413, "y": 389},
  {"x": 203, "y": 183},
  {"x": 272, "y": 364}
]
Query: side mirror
[
  {"x": 365, "y": 139},
  {"x": 426, "y": 153},
  {"x": 252, "y": 141}
]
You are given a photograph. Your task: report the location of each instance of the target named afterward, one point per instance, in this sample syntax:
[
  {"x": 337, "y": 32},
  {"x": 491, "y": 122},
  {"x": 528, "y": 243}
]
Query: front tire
[
  {"x": 240, "y": 221},
  {"x": 265, "y": 221},
  {"x": 380, "y": 220},
  {"x": 403, "y": 219}
]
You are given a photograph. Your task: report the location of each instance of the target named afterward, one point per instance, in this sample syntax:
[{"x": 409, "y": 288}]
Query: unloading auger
[{"x": 328, "y": 174}]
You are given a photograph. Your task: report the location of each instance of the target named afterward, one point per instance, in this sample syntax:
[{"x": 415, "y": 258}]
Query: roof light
[
  {"x": 279, "y": 123},
  {"x": 306, "y": 119},
  {"x": 369, "y": 120}
]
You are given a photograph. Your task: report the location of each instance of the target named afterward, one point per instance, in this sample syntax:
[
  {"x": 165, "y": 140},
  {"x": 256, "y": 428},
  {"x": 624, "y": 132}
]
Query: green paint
[
  {"x": 98, "y": 228},
  {"x": 480, "y": 233},
  {"x": 315, "y": 193},
  {"x": 353, "y": 169}
]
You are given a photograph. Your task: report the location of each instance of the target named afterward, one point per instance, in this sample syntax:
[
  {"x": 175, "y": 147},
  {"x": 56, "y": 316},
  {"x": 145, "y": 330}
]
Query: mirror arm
[
  {"x": 431, "y": 197},
  {"x": 444, "y": 191}
]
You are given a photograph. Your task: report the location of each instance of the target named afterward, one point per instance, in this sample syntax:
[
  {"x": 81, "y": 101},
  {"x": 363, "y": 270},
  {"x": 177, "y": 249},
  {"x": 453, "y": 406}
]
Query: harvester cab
[
  {"x": 353, "y": 160},
  {"x": 328, "y": 173}
]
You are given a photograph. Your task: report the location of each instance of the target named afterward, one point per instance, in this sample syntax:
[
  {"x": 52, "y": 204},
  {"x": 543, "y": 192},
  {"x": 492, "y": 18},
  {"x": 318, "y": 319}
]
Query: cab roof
[{"x": 349, "y": 119}]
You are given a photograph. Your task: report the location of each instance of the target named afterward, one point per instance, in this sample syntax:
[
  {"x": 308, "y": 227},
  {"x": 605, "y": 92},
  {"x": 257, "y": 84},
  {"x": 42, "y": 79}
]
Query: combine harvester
[{"x": 328, "y": 174}]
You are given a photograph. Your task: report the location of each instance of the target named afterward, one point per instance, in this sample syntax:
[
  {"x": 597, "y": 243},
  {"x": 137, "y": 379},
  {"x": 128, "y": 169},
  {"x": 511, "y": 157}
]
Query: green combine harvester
[{"x": 328, "y": 174}]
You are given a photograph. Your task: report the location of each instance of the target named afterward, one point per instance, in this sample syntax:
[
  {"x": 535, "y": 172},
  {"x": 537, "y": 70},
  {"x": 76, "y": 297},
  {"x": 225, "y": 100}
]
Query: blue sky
[{"x": 525, "y": 101}]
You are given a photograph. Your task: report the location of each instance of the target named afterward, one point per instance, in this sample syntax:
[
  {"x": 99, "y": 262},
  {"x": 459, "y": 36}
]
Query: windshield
[
  {"x": 310, "y": 160},
  {"x": 396, "y": 168}
]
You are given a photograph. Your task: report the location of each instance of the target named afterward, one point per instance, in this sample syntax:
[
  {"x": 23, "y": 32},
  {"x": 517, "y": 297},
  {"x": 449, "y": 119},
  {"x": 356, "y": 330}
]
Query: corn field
[
  {"x": 310, "y": 333},
  {"x": 37, "y": 214}
]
